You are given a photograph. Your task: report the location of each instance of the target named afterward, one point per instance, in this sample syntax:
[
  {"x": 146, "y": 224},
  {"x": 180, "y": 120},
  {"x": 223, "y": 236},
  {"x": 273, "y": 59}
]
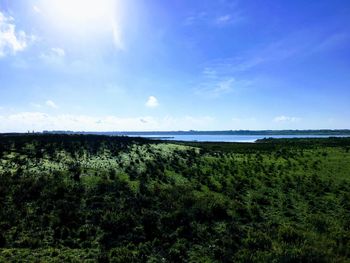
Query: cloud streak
[
  {"x": 51, "y": 104},
  {"x": 215, "y": 83},
  {"x": 219, "y": 14},
  {"x": 216, "y": 88},
  {"x": 53, "y": 56},
  {"x": 283, "y": 119},
  {"x": 297, "y": 44}
]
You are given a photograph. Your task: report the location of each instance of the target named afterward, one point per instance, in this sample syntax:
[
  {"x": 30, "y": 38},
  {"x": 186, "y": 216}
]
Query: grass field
[{"x": 86, "y": 198}]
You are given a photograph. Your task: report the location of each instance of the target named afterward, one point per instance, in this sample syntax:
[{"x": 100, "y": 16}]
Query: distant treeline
[{"x": 326, "y": 132}]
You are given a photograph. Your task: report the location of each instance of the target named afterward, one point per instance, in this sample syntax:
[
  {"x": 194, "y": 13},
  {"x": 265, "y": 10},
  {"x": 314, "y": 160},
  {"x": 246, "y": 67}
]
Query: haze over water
[{"x": 228, "y": 138}]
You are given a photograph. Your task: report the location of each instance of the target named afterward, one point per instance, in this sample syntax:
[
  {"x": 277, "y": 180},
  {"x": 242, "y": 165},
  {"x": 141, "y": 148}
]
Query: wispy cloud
[
  {"x": 11, "y": 40},
  {"x": 195, "y": 18},
  {"x": 48, "y": 103},
  {"x": 117, "y": 36},
  {"x": 36, "y": 9},
  {"x": 35, "y": 105},
  {"x": 152, "y": 102},
  {"x": 39, "y": 121},
  {"x": 215, "y": 89},
  {"x": 298, "y": 44},
  {"x": 206, "y": 18},
  {"x": 223, "y": 19},
  {"x": 53, "y": 56},
  {"x": 332, "y": 41},
  {"x": 58, "y": 51},
  {"x": 229, "y": 19},
  {"x": 283, "y": 118},
  {"x": 222, "y": 13},
  {"x": 51, "y": 104},
  {"x": 216, "y": 82}
]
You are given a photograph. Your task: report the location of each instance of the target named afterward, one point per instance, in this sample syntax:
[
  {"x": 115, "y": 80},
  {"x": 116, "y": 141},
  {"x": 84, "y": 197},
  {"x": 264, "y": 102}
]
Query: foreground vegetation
[{"x": 73, "y": 198}]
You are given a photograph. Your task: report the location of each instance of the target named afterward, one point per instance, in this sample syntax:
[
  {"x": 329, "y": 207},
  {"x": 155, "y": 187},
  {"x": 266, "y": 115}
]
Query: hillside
[{"x": 86, "y": 198}]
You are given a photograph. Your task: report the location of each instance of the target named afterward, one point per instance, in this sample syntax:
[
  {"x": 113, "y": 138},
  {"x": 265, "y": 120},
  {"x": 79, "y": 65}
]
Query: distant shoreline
[{"x": 326, "y": 132}]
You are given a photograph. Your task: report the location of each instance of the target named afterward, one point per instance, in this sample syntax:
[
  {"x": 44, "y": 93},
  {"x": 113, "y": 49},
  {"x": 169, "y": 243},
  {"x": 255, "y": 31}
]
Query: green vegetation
[{"x": 85, "y": 198}]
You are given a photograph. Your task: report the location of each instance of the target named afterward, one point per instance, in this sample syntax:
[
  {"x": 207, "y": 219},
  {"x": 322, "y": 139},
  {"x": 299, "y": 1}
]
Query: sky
[{"x": 132, "y": 65}]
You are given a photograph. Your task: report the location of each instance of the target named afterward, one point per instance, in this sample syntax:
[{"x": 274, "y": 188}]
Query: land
[{"x": 88, "y": 198}]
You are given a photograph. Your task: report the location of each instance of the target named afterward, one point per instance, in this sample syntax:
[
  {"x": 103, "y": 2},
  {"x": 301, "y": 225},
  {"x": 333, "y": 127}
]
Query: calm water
[{"x": 228, "y": 138}]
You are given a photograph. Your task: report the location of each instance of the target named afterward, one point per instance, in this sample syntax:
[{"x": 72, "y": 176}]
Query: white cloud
[
  {"x": 152, "y": 102},
  {"x": 38, "y": 121},
  {"x": 53, "y": 56},
  {"x": 11, "y": 41},
  {"x": 51, "y": 104},
  {"x": 284, "y": 118}
]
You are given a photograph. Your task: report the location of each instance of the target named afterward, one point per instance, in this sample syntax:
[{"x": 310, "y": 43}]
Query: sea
[{"x": 226, "y": 138}]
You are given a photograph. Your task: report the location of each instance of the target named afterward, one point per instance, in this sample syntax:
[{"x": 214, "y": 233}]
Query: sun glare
[
  {"x": 81, "y": 15},
  {"x": 84, "y": 11}
]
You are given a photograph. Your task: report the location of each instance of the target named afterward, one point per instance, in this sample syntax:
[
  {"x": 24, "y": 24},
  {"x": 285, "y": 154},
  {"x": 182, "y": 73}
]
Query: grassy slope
[{"x": 273, "y": 201}]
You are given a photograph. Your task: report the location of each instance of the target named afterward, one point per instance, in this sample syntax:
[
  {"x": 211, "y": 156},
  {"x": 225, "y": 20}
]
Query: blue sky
[{"x": 174, "y": 65}]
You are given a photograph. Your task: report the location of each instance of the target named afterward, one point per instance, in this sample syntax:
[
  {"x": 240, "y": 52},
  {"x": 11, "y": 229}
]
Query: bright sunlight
[{"x": 79, "y": 15}]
